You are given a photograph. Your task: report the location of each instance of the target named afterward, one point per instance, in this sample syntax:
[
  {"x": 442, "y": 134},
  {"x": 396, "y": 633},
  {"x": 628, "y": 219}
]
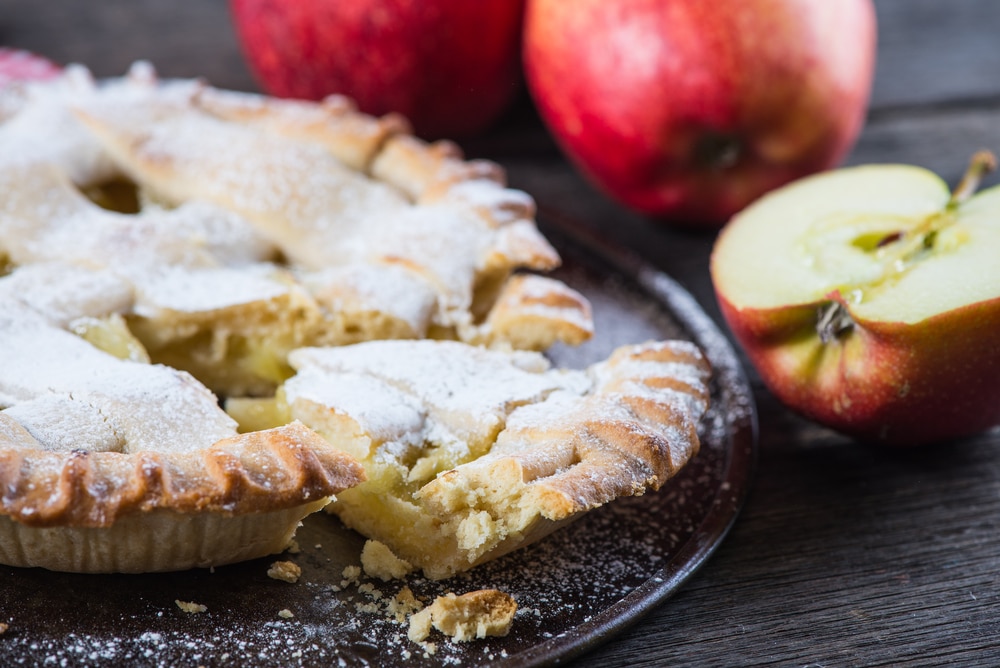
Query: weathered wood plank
[{"x": 932, "y": 51}]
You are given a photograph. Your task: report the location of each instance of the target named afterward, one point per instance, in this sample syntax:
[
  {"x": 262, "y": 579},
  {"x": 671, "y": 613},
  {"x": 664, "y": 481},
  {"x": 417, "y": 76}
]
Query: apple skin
[
  {"x": 890, "y": 383},
  {"x": 688, "y": 110},
  {"x": 450, "y": 66},
  {"x": 19, "y": 65}
]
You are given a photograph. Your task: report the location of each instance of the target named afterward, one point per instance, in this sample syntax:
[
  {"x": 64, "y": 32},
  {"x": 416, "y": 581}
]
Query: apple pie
[{"x": 353, "y": 295}]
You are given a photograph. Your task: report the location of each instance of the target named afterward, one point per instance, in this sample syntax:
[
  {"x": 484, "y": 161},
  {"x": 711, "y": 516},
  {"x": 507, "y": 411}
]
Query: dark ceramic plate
[{"x": 575, "y": 589}]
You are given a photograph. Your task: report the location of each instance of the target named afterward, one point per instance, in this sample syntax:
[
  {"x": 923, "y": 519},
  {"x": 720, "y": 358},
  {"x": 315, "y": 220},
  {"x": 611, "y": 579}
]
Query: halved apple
[{"x": 868, "y": 299}]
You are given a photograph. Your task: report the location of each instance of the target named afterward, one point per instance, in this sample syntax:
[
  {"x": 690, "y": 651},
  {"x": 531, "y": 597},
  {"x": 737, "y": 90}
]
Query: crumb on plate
[
  {"x": 379, "y": 562},
  {"x": 286, "y": 571},
  {"x": 191, "y": 607},
  {"x": 476, "y": 614}
]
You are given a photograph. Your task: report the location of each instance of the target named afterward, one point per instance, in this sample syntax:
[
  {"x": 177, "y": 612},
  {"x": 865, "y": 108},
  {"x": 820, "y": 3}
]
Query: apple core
[{"x": 718, "y": 151}]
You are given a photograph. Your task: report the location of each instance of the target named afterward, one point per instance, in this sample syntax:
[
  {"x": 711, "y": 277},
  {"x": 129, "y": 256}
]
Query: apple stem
[
  {"x": 982, "y": 163},
  {"x": 834, "y": 319},
  {"x": 899, "y": 251}
]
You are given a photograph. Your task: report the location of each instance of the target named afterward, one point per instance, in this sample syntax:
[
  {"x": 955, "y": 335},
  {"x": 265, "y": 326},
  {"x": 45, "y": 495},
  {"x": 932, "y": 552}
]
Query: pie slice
[
  {"x": 471, "y": 453},
  {"x": 109, "y": 464}
]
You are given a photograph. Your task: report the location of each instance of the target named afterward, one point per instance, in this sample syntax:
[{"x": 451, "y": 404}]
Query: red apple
[
  {"x": 690, "y": 109},
  {"x": 450, "y": 66},
  {"x": 20, "y": 65},
  {"x": 868, "y": 298}
]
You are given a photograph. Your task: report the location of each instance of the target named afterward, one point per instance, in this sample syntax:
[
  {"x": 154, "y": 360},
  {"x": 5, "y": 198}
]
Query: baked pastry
[
  {"x": 158, "y": 238},
  {"x": 471, "y": 453}
]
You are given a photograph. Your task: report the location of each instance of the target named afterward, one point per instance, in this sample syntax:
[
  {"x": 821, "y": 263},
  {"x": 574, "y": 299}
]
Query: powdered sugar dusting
[
  {"x": 457, "y": 383},
  {"x": 383, "y": 412},
  {"x": 381, "y": 288},
  {"x": 277, "y": 186},
  {"x": 131, "y": 406},
  {"x": 187, "y": 290}
]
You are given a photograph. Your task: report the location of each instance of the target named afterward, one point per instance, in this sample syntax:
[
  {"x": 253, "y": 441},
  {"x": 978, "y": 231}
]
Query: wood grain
[{"x": 183, "y": 38}]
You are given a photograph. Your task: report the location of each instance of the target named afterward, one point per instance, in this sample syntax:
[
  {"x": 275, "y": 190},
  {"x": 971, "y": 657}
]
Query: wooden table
[{"x": 844, "y": 555}]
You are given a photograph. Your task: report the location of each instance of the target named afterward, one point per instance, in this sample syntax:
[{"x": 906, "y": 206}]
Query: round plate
[{"x": 574, "y": 589}]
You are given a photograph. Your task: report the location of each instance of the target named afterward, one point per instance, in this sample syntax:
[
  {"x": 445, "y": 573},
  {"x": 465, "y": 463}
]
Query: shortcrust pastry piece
[
  {"x": 110, "y": 464},
  {"x": 378, "y": 561},
  {"x": 249, "y": 226},
  {"x": 473, "y": 615},
  {"x": 471, "y": 453}
]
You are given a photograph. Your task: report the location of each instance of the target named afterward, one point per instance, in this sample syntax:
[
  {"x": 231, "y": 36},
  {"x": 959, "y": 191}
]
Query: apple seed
[{"x": 900, "y": 249}]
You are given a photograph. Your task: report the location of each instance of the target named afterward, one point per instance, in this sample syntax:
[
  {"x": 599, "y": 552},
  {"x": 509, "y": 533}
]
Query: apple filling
[
  {"x": 111, "y": 334},
  {"x": 120, "y": 194}
]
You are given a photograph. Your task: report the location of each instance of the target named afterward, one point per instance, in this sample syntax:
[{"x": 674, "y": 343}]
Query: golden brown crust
[
  {"x": 425, "y": 170},
  {"x": 533, "y": 312},
  {"x": 156, "y": 541},
  {"x": 250, "y": 473},
  {"x": 352, "y": 137},
  {"x": 436, "y": 220}
]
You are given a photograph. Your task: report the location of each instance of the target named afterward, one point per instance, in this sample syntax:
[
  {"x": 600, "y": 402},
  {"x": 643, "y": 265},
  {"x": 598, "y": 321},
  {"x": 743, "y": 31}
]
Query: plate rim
[{"x": 741, "y": 462}]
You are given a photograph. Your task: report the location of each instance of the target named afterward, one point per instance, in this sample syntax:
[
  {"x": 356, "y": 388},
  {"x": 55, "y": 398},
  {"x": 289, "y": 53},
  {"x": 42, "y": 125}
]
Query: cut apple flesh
[{"x": 887, "y": 238}]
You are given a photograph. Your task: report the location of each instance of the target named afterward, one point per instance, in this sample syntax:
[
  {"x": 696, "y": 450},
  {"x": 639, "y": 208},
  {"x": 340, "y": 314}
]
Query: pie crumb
[
  {"x": 351, "y": 575},
  {"x": 286, "y": 571},
  {"x": 3, "y": 628},
  {"x": 286, "y": 613},
  {"x": 190, "y": 607},
  {"x": 420, "y": 625},
  {"x": 403, "y": 604},
  {"x": 378, "y": 561},
  {"x": 476, "y": 614}
]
